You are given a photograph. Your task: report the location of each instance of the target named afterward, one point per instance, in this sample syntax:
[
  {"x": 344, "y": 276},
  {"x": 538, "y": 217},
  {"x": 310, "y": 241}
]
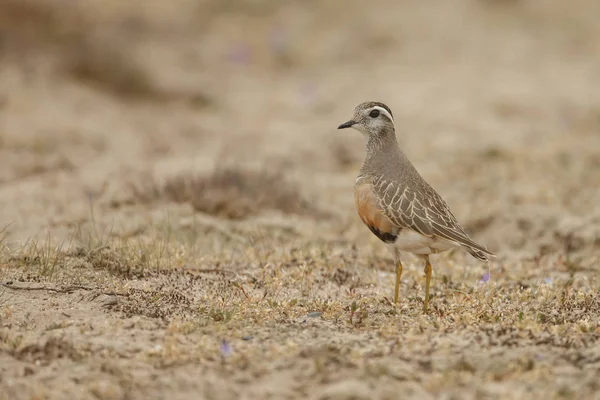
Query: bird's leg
[
  {"x": 427, "y": 281},
  {"x": 398, "y": 276}
]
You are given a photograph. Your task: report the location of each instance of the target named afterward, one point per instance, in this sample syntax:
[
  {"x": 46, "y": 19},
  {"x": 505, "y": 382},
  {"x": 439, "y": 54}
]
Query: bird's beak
[{"x": 347, "y": 124}]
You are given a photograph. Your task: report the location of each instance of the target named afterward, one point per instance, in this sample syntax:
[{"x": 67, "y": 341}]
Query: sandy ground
[{"x": 176, "y": 210}]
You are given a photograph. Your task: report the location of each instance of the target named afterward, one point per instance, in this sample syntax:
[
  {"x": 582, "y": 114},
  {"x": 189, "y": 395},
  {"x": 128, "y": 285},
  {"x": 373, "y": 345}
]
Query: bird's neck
[
  {"x": 382, "y": 153},
  {"x": 383, "y": 145}
]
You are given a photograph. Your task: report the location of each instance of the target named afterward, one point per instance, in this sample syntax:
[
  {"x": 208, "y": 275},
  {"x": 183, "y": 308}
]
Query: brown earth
[{"x": 176, "y": 210}]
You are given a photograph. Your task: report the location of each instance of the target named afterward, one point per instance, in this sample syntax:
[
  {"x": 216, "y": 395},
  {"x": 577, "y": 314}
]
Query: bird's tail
[{"x": 481, "y": 253}]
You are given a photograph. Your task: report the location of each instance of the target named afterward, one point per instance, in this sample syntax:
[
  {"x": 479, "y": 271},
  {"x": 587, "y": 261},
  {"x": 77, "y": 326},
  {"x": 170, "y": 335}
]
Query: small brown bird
[{"x": 395, "y": 202}]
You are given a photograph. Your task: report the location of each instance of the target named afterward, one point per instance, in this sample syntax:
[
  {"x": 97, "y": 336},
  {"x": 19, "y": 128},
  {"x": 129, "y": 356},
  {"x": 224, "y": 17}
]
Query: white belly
[{"x": 413, "y": 242}]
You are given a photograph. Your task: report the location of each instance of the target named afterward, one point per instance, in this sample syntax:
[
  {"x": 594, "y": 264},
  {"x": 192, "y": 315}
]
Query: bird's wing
[{"x": 425, "y": 212}]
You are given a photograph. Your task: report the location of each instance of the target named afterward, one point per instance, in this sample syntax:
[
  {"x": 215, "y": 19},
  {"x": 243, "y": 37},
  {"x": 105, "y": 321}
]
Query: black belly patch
[{"x": 383, "y": 236}]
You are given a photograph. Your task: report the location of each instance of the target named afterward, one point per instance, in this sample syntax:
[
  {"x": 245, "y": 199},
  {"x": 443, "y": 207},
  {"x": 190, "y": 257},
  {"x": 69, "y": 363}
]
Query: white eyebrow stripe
[{"x": 384, "y": 112}]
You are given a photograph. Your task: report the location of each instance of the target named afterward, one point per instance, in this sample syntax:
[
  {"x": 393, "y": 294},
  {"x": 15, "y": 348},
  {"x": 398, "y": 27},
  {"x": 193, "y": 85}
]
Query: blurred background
[{"x": 119, "y": 110}]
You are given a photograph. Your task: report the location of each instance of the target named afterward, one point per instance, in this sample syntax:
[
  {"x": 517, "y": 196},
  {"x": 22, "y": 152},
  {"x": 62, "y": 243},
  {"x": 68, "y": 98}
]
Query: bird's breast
[{"x": 371, "y": 214}]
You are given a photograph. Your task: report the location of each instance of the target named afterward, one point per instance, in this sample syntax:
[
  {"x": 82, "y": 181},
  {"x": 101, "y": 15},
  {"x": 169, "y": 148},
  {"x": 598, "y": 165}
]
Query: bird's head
[{"x": 372, "y": 119}]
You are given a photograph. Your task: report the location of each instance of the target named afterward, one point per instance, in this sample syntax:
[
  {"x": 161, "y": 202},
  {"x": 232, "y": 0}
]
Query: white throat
[{"x": 362, "y": 130}]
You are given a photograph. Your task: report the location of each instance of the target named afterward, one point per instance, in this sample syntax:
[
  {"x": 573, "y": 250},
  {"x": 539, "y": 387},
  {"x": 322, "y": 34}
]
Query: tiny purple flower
[
  {"x": 485, "y": 277},
  {"x": 548, "y": 281},
  {"x": 225, "y": 348}
]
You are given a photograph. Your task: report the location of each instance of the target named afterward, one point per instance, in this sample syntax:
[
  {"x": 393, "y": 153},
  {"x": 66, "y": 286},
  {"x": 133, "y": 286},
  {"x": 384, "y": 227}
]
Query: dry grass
[
  {"x": 228, "y": 192},
  {"x": 70, "y": 36},
  {"x": 31, "y": 24},
  {"x": 80, "y": 49},
  {"x": 260, "y": 311},
  {"x": 111, "y": 68}
]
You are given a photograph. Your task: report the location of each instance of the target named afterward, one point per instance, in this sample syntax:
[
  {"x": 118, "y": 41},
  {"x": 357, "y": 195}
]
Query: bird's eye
[{"x": 374, "y": 114}]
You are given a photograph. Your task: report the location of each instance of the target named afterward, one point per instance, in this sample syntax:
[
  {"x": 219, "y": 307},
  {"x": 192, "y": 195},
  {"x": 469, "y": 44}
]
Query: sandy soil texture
[{"x": 176, "y": 209}]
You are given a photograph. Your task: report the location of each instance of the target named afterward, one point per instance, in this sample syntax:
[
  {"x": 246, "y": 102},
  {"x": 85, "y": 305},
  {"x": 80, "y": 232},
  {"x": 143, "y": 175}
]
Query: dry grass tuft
[
  {"x": 163, "y": 304},
  {"x": 235, "y": 193},
  {"x": 108, "y": 259},
  {"x": 65, "y": 34},
  {"x": 26, "y": 25},
  {"x": 227, "y": 192},
  {"x": 111, "y": 68},
  {"x": 98, "y": 63},
  {"x": 52, "y": 349},
  {"x": 100, "y": 57}
]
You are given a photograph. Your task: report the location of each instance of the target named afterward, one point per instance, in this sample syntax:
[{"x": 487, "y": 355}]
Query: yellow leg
[
  {"x": 427, "y": 281},
  {"x": 398, "y": 275}
]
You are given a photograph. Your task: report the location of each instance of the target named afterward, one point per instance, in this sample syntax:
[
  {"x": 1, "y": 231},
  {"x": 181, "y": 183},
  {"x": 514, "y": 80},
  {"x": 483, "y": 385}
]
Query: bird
[{"x": 395, "y": 202}]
